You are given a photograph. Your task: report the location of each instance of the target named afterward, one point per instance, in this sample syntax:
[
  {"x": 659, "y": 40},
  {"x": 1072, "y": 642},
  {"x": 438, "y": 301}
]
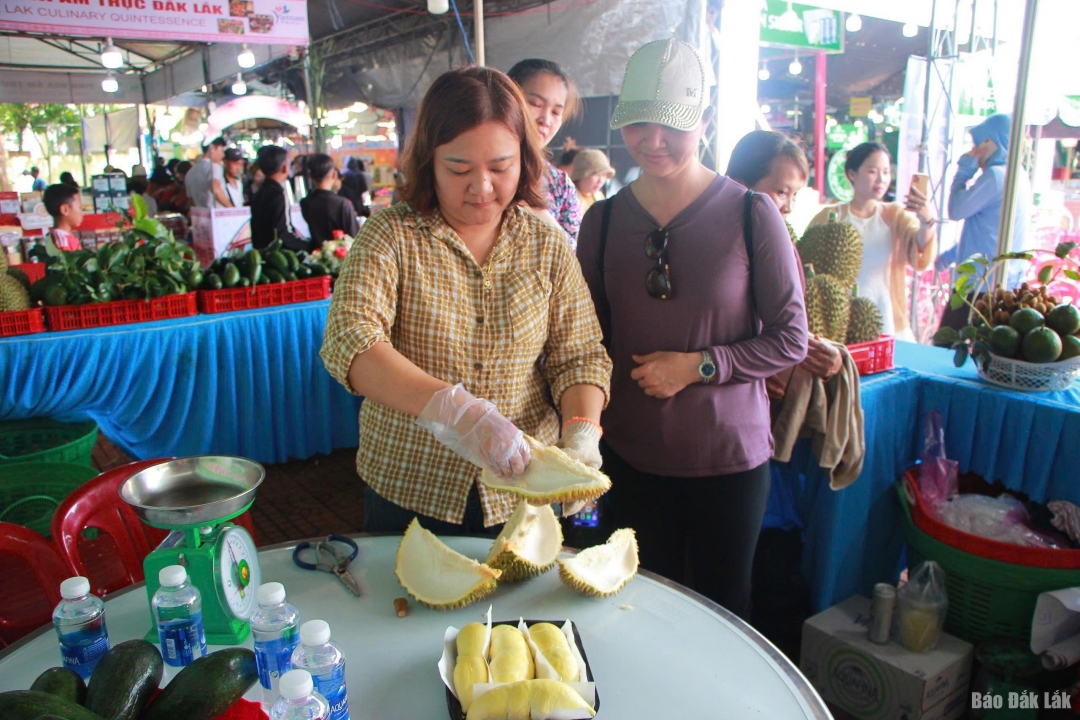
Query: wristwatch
[{"x": 707, "y": 368}]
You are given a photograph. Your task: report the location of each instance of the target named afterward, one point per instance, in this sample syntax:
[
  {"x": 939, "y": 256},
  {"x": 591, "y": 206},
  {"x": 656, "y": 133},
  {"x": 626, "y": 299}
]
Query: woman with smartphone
[{"x": 894, "y": 236}]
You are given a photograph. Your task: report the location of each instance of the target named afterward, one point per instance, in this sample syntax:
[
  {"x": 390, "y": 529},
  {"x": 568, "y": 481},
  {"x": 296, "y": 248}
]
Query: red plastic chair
[
  {"x": 112, "y": 560},
  {"x": 32, "y": 573}
]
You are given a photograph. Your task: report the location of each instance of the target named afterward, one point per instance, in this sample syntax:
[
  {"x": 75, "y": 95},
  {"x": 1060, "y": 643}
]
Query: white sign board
[{"x": 217, "y": 232}]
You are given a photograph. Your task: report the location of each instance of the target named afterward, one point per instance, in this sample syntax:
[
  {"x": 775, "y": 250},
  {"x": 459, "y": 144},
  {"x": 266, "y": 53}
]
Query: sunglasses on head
[{"x": 658, "y": 279}]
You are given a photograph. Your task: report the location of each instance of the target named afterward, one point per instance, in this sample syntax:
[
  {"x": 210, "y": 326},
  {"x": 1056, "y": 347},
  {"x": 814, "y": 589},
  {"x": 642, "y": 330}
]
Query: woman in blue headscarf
[{"x": 978, "y": 203}]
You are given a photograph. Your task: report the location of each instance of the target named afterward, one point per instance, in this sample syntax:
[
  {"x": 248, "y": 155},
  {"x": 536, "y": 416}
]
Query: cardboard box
[
  {"x": 217, "y": 232},
  {"x": 883, "y": 682}
]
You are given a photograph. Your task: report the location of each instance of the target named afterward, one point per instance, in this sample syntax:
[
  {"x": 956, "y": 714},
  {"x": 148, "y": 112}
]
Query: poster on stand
[{"x": 218, "y": 232}]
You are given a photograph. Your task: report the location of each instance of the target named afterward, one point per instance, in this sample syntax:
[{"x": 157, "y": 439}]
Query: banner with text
[{"x": 281, "y": 22}]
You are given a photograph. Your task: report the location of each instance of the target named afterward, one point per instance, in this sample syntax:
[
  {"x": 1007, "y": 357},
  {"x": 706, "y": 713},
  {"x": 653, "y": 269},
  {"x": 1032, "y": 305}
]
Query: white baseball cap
[{"x": 665, "y": 84}]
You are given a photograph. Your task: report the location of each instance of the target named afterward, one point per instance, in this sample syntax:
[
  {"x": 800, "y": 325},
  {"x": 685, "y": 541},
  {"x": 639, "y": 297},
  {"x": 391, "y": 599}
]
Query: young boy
[{"x": 64, "y": 203}]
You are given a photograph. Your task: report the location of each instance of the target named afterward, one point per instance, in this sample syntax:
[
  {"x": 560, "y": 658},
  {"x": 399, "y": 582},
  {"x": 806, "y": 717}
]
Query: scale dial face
[{"x": 236, "y": 571}]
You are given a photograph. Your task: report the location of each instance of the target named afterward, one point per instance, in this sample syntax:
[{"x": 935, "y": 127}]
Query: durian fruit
[
  {"x": 470, "y": 639},
  {"x": 828, "y": 305},
  {"x": 792, "y": 233},
  {"x": 527, "y": 699},
  {"x": 436, "y": 575},
  {"x": 833, "y": 248},
  {"x": 865, "y": 321},
  {"x": 13, "y": 296},
  {"x": 19, "y": 275},
  {"x": 552, "y": 477},
  {"x": 3, "y": 260},
  {"x": 528, "y": 545},
  {"x": 469, "y": 670},
  {"x": 510, "y": 657},
  {"x": 602, "y": 570},
  {"x": 552, "y": 642}
]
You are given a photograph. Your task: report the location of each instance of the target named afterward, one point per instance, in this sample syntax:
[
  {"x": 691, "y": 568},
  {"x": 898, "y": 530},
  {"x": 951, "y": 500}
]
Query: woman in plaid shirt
[{"x": 450, "y": 297}]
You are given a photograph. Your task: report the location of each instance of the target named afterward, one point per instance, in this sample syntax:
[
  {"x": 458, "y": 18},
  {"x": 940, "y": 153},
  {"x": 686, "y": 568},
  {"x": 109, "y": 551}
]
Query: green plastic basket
[
  {"x": 45, "y": 440},
  {"x": 31, "y": 492},
  {"x": 987, "y": 598}
]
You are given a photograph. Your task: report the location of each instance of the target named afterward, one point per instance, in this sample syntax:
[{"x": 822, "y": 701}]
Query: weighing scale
[{"x": 195, "y": 498}]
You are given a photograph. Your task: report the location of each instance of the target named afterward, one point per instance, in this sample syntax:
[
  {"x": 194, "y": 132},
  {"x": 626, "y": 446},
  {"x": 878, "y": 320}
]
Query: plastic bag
[
  {"x": 921, "y": 604},
  {"x": 1002, "y": 518},
  {"x": 937, "y": 476}
]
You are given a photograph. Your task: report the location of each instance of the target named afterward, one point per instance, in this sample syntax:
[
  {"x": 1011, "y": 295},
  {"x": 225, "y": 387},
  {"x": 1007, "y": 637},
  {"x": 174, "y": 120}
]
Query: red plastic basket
[
  {"x": 874, "y": 356},
  {"x": 22, "y": 322},
  {"x": 297, "y": 291},
  {"x": 120, "y": 312},
  {"x": 983, "y": 547}
]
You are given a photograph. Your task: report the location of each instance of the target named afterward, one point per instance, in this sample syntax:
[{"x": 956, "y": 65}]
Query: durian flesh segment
[
  {"x": 510, "y": 657},
  {"x": 529, "y": 543},
  {"x": 527, "y": 699},
  {"x": 602, "y": 570},
  {"x": 438, "y": 576},
  {"x": 468, "y": 670},
  {"x": 552, "y": 477},
  {"x": 552, "y": 643},
  {"x": 471, "y": 639}
]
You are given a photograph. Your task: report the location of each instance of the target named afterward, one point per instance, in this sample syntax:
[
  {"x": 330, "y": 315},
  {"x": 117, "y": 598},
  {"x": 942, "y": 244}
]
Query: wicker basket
[{"x": 1020, "y": 375}]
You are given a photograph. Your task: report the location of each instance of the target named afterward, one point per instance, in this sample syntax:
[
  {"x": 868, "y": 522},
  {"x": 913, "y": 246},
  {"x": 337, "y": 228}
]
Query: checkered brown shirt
[{"x": 409, "y": 280}]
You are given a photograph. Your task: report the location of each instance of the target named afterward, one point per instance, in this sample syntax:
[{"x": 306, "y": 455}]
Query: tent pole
[
  {"x": 82, "y": 145},
  {"x": 1016, "y": 138},
  {"x": 819, "y": 125},
  {"x": 478, "y": 11}
]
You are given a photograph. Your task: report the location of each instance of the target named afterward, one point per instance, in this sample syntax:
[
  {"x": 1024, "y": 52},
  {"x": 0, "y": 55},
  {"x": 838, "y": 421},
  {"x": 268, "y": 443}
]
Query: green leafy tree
[{"x": 51, "y": 123}]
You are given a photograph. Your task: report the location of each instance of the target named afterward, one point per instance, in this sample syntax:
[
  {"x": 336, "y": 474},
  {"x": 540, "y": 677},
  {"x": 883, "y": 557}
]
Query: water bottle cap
[
  {"x": 172, "y": 575},
  {"x": 315, "y": 632},
  {"x": 74, "y": 587},
  {"x": 295, "y": 684},
  {"x": 270, "y": 593}
]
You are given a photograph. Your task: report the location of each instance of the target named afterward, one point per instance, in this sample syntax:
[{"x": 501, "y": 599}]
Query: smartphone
[
  {"x": 921, "y": 182},
  {"x": 589, "y": 516}
]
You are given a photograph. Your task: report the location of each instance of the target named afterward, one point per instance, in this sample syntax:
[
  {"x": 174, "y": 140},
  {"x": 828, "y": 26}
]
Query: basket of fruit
[
  {"x": 1024, "y": 338},
  {"x": 256, "y": 279}
]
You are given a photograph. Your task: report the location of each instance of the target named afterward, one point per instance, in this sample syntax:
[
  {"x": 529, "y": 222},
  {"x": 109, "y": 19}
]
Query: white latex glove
[
  {"x": 474, "y": 429},
  {"x": 581, "y": 441}
]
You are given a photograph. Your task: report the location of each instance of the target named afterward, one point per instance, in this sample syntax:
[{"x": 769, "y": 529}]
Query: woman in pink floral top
[{"x": 553, "y": 98}]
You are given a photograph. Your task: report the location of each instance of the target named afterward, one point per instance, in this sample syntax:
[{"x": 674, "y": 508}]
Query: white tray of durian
[{"x": 531, "y": 669}]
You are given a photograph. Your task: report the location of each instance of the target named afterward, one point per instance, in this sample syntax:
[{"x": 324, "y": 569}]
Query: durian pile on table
[{"x": 475, "y": 628}]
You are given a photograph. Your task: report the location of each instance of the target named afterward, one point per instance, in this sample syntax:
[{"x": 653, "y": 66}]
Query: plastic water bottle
[
  {"x": 299, "y": 700},
  {"x": 79, "y": 620},
  {"x": 326, "y": 663},
  {"x": 275, "y": 626},
  {"x": 177, "y": 607}
]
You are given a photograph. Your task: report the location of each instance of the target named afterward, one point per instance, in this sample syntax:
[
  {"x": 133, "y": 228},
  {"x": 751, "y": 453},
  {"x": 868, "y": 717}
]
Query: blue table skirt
[
  {"x": 247, "y": 383},
  {"x": 853, "y": 538}
]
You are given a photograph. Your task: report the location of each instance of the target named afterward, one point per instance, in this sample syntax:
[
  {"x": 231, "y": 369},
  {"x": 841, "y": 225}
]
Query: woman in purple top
[
  {"x": 693, "y": 325},
  {"x": 553, "y": 98}
]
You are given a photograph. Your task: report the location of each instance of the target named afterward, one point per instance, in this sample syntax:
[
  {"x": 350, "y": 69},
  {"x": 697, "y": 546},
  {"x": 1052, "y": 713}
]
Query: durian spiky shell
[
  {"x": 552, "y": 477},
  {"x": 19, "y": 275},
  {"x": 571, "y": 569},
  {"x": 13, "y": 296},
  {"x": 833, "y": 248},
  {"x": 792, "y": 233},
  {"x": 3, "y": 260},
  {"x": 865, "y": 321},
  {"x": 828, "y": 307},
  {"x": 507, "y": 552},
  {"x": 418, "y": 540}
]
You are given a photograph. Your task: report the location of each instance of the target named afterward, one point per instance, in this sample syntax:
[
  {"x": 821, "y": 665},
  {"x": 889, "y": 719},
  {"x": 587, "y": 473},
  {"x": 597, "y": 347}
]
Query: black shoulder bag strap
[
  {"x": 748, "y": 236},
  {"x": 605, "y": 221}
]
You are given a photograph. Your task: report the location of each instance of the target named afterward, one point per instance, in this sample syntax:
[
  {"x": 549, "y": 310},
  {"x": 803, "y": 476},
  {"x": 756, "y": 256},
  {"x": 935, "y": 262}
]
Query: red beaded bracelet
[{"x": 584, "y": 420}]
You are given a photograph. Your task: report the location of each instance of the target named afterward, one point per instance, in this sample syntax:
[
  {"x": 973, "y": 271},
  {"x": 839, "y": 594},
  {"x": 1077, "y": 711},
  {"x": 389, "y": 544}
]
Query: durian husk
[
  {"x": 21, "y": 276},
  {"x": 527, "y": 699},
  {"x": 865, "y": 322},
  {"x": 828, "y": 306},
  {"x": 552, "y": 477},
  {"x": 528, "y": 545},
  {"x": 437, "y": 576},
  {"x": 792, "y": 233},
  {"x": 13, "y": 296},
  {"x": 833, "y": 248},
  {"x": 602, "y": 570}
]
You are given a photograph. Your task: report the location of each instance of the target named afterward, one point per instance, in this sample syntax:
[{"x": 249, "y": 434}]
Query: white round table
[{"x": 657, "y": 650}]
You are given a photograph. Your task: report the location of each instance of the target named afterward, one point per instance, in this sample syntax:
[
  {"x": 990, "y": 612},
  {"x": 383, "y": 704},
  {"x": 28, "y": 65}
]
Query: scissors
[{"x": 331, "y": 559}]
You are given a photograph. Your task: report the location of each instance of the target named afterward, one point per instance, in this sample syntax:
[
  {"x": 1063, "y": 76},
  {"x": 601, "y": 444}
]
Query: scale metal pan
[{"x": 193, "y": 491}]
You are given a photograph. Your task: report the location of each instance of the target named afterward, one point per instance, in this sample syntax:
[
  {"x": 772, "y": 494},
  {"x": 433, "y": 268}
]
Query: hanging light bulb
[
  {"x": 246, "y": 58},
  {"x": 438, "y": 7},
  {"x": 109, "y": 84},
  {"x": 910, "y": 30},
  {"x": 239, "y": 87},
  {"x": 763, "y": 74},
  {"x": 795, "y": 68},
  {"x": 111, "y": 56},
  {"x": 853, "y": 23},
  {"x": 766, "y": 108}
]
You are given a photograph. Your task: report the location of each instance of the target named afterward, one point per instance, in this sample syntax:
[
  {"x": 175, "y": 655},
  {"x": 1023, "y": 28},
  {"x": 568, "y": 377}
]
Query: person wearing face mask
[
  {"x": 442, "y": 307},
  {"x": 894, "y": 236},
  {"x": 699, "y": 298},
  {"x": 770, "y": 163},
  {"x": 553, "y": 99}
]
